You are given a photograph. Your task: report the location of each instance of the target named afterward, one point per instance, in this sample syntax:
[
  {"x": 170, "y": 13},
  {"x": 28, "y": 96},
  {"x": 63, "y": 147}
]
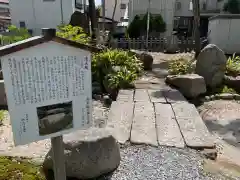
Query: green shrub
[
  {"x": 180, "y": 66},
  {"x": 74, "y": 33},
  {"x": 233, "y": 66},
  {"x": 117, "y": 68},
  {"x": 15, "y": 34}
]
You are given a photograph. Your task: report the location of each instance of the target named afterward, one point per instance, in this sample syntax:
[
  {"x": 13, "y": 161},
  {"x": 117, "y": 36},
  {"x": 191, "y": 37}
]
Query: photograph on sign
[
  {"x": 54, "y": 118},
  {"x": 49, "y": 91}
]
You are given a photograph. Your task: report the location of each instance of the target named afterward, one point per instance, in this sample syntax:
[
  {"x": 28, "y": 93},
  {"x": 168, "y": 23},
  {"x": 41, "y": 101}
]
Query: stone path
[{"x": 166, "y": 119}]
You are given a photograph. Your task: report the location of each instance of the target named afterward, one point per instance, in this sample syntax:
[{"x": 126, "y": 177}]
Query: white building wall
[
  {"x": 109, "y": 7},
  {"x": 164, "y": 7},
  {"x": 39, "y": 14}
]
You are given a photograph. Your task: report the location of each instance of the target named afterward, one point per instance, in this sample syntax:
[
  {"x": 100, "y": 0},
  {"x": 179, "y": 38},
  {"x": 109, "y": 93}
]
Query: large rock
[
  {"x": 147, "y": 61},
  {"x": 190, "y": 85},
  {"x": 211, "y": 64},
  {"x": 88, "y": 154}
]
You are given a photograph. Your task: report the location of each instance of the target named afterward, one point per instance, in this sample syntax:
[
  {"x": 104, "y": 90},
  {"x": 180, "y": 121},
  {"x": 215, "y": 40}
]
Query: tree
[{"x": 232, "y": 6}]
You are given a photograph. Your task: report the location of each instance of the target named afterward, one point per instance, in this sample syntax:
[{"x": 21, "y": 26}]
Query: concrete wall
[
  {"x": 38, "y": 13},
  {"x": 164, "y": 7},
  {"x": 109, "y": 6}
]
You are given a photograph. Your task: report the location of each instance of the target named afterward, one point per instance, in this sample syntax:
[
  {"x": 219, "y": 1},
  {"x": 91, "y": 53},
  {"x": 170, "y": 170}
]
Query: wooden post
[
  {"x": 58, "y": 158},
  {"x": 196, "y": 12},
  {"x": 56, "y": 142}
]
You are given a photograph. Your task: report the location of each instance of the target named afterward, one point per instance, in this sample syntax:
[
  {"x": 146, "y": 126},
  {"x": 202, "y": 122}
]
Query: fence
[{"x": 157, "y": 44}]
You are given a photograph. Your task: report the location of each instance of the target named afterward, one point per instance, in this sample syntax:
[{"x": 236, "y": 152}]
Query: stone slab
[
  {"x": 141, "y": 95},
  {"x": 168, "y": 131},
  {"x": 156, "y": 96},
  {"x": 125, "y": 95},
  {"x": 173, "y": 96},
  {"x": 143, "y": 126},
  {"x": 192, "y": 127},
  {"x": 120, "y": 120}
]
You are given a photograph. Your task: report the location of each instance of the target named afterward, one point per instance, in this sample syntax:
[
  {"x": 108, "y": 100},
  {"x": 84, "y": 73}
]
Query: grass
[
  {"x": 19, "y": 169},
  {"x": 2, "y": 115}
]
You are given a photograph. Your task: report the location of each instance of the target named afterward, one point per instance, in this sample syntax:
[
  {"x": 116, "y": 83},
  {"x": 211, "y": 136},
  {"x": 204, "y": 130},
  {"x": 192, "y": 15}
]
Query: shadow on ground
[{"x": 229, "y": 131}]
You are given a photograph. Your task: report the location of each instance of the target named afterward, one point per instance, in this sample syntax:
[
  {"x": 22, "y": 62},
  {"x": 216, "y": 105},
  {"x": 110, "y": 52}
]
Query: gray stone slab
[
  {"x": 120, "y": 120},
  {"x": 141, "y": 95},
  {"x": 168, "y": 131},
  {"x": 173, "y": 96},
  {"x": 194, "y": 131},
  {"x": 156, "y": 96},
  {"x": 125, "y": 95},
  {"x": 143, "y": 126}
]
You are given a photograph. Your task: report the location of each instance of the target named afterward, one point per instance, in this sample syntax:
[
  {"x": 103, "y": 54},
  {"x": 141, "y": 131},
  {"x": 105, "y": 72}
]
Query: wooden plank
[
  {"x": 120, "y": 120},
  {"x": 194, "y": 131},
  {"x": 141, "y": 95},
  {"x": 143, "y": 126},
  {"x": 168, "y": 131}
]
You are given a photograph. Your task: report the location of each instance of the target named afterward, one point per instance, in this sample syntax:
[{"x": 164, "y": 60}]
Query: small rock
[
  {"x": 88, "y": 154},
  {"x": 97, "y": 96},
  {"x": 226, "y": 96},
  {"x": 210, "y": 153},
  {"x": 211, "y": 64},
  {"x": 207, "y": 98},
  {"x": 212, "y": 97},
  {"x": 190, "y": 85}
]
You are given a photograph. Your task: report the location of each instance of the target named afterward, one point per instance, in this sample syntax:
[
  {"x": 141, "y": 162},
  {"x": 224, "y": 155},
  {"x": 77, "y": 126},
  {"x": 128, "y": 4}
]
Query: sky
[{"x": 98, "y": 2}]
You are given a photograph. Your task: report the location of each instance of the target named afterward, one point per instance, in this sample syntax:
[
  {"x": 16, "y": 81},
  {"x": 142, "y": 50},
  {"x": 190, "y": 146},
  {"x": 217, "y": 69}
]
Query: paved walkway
[{"x": 156, "y": 114}]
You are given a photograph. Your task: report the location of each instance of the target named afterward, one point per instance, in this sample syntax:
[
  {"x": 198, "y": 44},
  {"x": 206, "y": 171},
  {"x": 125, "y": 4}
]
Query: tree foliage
[
  {"x": 232, "y": 6},
  {"x": 74, "y": 33},
  {"x": 139, "y": 25}
]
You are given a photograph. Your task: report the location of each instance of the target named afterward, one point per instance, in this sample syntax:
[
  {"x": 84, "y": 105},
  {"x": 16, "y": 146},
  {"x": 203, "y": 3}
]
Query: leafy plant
[
  {"x": 2, "y": 114},
  {"x": 226, "y": 89},
  {"x": 180, "y": 66},
  {"x": 233, "y": 65},
  {"x": 74, "y": 33},
  {"x": 116, "y": 68},
  {"x": 15, "y": 34}
]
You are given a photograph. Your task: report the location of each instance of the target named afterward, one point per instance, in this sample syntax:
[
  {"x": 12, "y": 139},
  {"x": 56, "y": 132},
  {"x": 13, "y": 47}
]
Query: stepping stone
[
  {"x": 173, "y": 96},
  {"x": 141, "y": 95},
  {"x": 168, "y": 131},
  {"x": 156, "y": 96},
  {"x": 125, "y": 95},
  {"x": 143, "y": 127},
  {"x": 194, "y": 131},
  {"x": 120, "y": 120}
]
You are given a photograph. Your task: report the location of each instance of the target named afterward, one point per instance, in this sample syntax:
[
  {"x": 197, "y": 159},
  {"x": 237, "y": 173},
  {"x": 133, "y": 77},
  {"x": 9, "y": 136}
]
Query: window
[
  {"x": 121, "y": 19},
  {"x": 178, "y": 5},
  {"x": 204, "y": 6},
  {"x": 30, "y": 31},
  {"x": 22, "y": 24},
  {"x": 123, "y": 6}
]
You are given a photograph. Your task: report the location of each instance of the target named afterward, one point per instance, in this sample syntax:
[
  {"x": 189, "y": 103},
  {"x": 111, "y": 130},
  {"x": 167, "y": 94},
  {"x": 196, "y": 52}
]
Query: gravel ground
[{"x": 149, "y": 163}]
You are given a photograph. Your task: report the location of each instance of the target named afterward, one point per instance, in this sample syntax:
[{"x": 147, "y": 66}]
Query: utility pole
[
  {"x": 103, "y": 15},
  {"x": 92, "y": 12},
  {"x": 196, "y": 12},
  {"x": 148, "y": 21}
]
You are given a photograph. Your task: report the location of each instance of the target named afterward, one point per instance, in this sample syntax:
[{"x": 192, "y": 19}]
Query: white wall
[
  {"x": 184, "y": 10},
  {"x": 164, "y": 7},
  {"x": 109, "y": 6},
  {"x": 38, "y": 14}
]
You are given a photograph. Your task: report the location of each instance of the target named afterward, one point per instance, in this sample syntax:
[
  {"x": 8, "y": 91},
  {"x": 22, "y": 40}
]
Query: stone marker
[
  {"x": 168, "y": 132},
  {"x": 193, "y": 129},
  {"x": 173, "y": 96},
  {"x": 156, "y": 96},
  {"x": 190, "y": 85},
  {"x": 211, "y": 64},
  {"x": 141, "y": 95},
  {"x": 88, "y": 154},
  {"x": 144, "y": 127},
  {"x": 125, "y": 95},
  {"x": 120, "y": 120}
]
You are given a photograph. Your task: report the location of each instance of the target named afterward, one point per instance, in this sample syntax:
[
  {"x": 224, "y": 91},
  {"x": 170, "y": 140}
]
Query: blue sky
[{"x": 98, "y": 2}]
